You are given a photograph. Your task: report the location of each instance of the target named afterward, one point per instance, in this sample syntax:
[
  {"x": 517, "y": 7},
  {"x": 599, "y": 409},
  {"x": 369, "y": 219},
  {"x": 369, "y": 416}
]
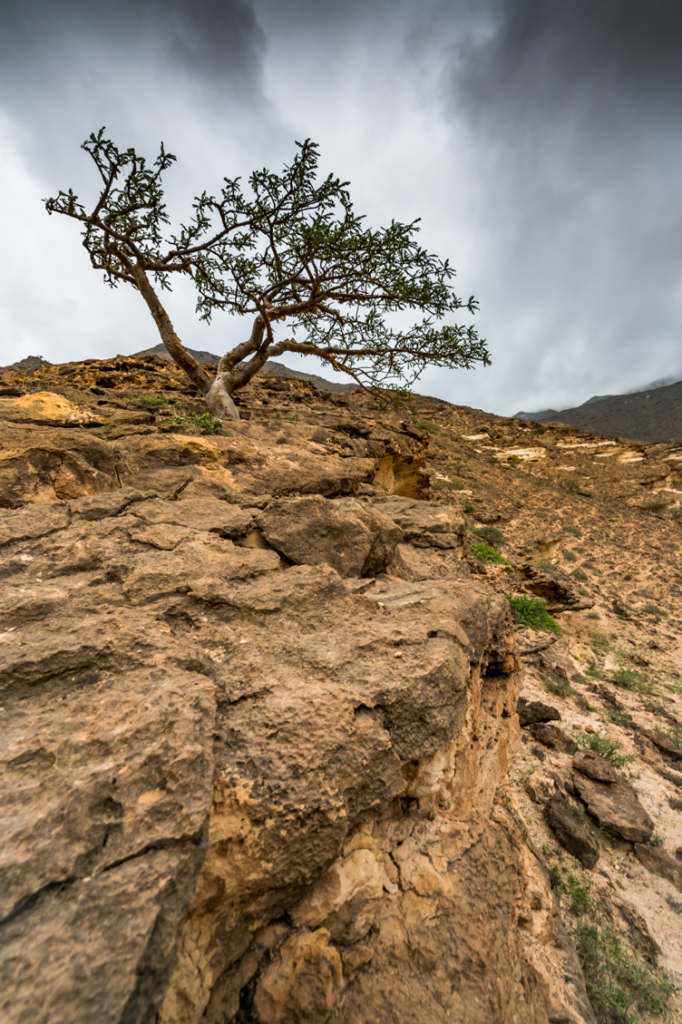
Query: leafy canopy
[{"x": 291, "y": 247}]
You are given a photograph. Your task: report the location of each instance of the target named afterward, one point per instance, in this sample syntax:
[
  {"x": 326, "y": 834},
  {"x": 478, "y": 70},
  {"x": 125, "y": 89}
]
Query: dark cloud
[{"x": 539, "y": 141}]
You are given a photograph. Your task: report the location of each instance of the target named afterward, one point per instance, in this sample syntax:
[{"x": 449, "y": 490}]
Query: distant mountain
[
  {"x": 654, "y": 414},
  {"x": 28, "y": 364},
  {"x": 272, "y": 367}
]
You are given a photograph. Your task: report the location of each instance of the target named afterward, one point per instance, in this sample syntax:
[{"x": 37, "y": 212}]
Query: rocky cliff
[{"x": 257, "y": 713}]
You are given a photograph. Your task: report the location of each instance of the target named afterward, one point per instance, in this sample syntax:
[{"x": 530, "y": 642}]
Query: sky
[{"x": 540, "y": 143}]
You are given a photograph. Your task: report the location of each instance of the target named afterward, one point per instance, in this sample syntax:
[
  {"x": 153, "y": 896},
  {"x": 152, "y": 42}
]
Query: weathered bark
[{"x": 174, "y": 346}]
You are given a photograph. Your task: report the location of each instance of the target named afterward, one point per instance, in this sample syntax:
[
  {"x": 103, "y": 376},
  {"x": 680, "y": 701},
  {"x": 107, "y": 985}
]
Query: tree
[{"x": 291, "y": 249}]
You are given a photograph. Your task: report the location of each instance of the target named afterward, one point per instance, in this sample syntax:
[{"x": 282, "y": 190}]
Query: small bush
[
  {"x": 605, "y": 747},
  {"x": 655, "y": 506},
  {"x": 569, "y": 555},
  {"x": 652, "y": 609},
  {"x": 629, "y": 679},
  {"x": 488, "y": 554},
  {"x": 448, "y": 485},
  {"x": 579, "y": 574},
  {"x": 617, "y": 979},
  {"x": 149, "y": 400},
  {"x": 571, "y": 485},
  {"x": 489, "y": 534},
  {"x": 468, "y": 507},
  {"x": 532, "y": 612},
  {"x": 209, "y": 423},
  {"x": 573, "y": 530},
  {"x": 429, "y": 428},
  {"x": 558, "y": 685},
  {"x": 657, "y": 840}
]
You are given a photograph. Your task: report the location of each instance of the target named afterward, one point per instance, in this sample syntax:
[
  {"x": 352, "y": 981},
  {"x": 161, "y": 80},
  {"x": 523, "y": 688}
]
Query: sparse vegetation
[
  {"x": 487, "y": 554},
  {"x": 605, "y": 747},
  {"x": 532, "y": 612},
  {"x": 579, "y": 574},
  {"x": 630, "y": 679},
  {"x": 569, "y": 555},
  {"x": 620, "y": 985},
  {"x": 151, "y": 401},
  {"x": 558, "y": 685},
  {"x": 448, "y": 485},
  {"x": 573, "y": 530},
  {"x": 468, "y": 507},
  {"x": 652, "y": 609},
  {"x": 488, "y": 534},
  {"x": 206, "y": 421},
  {"x": 672, "y": 735}
]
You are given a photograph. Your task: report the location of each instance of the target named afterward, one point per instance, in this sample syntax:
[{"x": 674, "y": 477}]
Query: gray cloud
[{"x": 540, "y": 143}]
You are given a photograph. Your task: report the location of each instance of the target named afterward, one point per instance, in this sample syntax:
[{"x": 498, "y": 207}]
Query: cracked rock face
[{"x": 255, "y": 727}]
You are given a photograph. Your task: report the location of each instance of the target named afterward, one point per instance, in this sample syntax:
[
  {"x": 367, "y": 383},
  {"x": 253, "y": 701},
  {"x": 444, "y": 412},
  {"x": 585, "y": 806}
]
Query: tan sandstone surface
[{"x": 263, "y": 761}]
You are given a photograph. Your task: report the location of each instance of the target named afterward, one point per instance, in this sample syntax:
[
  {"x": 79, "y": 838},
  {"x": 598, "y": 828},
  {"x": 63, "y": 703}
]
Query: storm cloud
[{"x": 539, "y": 142}]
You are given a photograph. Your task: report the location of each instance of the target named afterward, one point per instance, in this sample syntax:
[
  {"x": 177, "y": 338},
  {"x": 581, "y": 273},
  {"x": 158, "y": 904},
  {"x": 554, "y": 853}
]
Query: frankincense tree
[{"x": 291, "y": 249}]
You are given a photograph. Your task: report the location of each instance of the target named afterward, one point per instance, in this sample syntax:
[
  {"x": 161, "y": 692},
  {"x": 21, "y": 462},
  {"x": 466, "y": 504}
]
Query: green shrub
[
  {"x": 579, "y": 574},
  {"x": 652, "y": 609},
  {"x": 448, "y": 485},
  {"x": 629, "y": 679},
  {"x": 569, "y": 555},
  {"x": 558, "y": 685},
  {"x": 617, "y": 979},
  {"x": 605, "y": 747},
  {"x": 209, "y": 423},
  {"x": 488, "y": 554},
  {"x": 488, "y": 534},
  {"x": 657, "y": 840},
  {"x": 573, "y": 530},
  {"x": 532, "y": 611},
  {"x": 468, "y": 507},
  {"x": 655, "y": 506},
  {"x": 149, "y": 400},
  {"x": 429, "y": 428}
]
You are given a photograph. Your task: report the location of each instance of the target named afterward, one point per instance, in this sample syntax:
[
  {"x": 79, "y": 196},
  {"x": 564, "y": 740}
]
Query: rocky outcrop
[{"x": 252, "y": 755}]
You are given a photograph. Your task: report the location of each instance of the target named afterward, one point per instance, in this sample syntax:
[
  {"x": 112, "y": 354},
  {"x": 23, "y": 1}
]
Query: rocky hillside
[
  {"x": 264, "y": 761},
  {"x": 651, "y": 415}
]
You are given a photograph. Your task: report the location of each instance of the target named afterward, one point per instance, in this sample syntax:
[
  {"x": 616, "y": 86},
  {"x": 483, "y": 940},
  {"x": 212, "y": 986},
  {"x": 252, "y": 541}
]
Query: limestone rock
[
  {"x": 661, "y": 863},
  {"x": 540, "y": 787},
  {"x": 616, "y": 806},
  {"x": 346, "y": 534},
  {"x": 47, "y": 408},
  {"x": 533, "y": 711},
  {"x": 594, "y": 767},
  {"x": 572, "y": 830},
  {"x": 552, "y": 736}
]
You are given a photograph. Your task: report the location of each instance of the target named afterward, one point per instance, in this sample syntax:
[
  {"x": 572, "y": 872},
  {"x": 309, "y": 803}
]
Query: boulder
[
  {"x": 534, "y": 711},
  {"x": 349, "y": 535},
  {"x": 572, "y": 830},
  {"x": 540, "y": 787},
  {"x": 616, "y": 806},
  {"x": 663, "y": 744},
  {"x": 47, "y": 408},
  {"x": 552, "y": 736},
  {"x": 661, "y": 863},
  {"x": 595, "y": 767}
]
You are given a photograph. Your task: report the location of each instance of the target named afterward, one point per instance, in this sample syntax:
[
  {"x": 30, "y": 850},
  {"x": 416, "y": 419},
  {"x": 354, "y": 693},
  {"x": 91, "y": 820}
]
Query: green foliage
[
  {"x": 149, "y": 400},
  {"x": 448, "y": 485},
  {"x": 488, "y": 554},
  {"x": 579, "y": 574},
  {"x": 657, "y": 840},
  {"x": 618, "y": 981},
  {"x": 655, "y": 506},
  {"x": 558, "y": 685},
  {"x": 488, "y": 534},
  {"x": 573, "y": 530},
  {"x": 532, "y": 611},
  {"x": 605, "y": 747},
  {"x": 629, "y": 679},
  {"x": 429, "y": 428},
  {"x": 289, "y": 246},
  {"x": 209, "y": 423},
  {"x": 569, "y": 555},
  {"x": 468, "y": 507},
  {"x": 652, "y": 609}
]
